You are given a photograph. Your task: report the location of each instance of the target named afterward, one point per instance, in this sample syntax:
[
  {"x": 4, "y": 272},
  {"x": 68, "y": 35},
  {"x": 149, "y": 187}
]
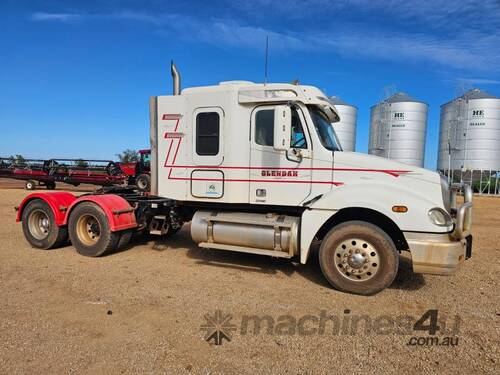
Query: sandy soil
[{"x": 140, "y": 310}]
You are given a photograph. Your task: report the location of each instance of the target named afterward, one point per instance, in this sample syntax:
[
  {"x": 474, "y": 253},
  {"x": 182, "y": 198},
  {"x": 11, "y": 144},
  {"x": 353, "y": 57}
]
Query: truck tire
[
  {"x": 30, "y": 185},
  {"x": 89, "y": 231},
  {"x": 50, "y": 185},
  {"x": 143, "y": 182},
  {"x": 358, "y": 257},
  {"x": 39, "y": 226}
]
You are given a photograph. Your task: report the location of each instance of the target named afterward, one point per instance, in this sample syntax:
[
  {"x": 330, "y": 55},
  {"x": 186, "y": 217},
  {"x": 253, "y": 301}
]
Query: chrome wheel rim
[
  {"x": 88, "y": 229},
  {"x": 357, "y": 259},
  {"x": 39, "y": 224}
]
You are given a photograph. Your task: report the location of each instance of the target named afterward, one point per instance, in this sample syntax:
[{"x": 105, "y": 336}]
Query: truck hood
[
  {"x": 379, "y": 184},
  {"x": 358, "y": 160}
]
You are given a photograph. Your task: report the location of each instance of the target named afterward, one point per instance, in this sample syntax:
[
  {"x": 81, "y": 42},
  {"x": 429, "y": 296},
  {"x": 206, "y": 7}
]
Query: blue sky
[{"x": 75, "y": 77}]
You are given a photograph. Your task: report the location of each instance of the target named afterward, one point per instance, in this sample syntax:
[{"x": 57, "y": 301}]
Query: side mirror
[{"x": 282, "y": 127}]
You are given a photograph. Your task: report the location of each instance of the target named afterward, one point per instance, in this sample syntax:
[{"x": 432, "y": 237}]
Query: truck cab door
[{"x": 279, "y": 177}]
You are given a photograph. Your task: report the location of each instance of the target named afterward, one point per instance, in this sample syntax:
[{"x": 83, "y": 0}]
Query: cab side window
[
  {"x": 298, "y": 138},
  {"x": 264, "y": 129}
]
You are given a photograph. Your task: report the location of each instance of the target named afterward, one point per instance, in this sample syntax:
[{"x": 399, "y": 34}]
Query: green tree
[{"x": 128, "y": 156}]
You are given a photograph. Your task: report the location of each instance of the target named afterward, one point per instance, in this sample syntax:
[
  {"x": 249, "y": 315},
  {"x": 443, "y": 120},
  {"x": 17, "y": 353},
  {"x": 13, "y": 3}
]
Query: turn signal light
[{"x": 402, "y": 209}]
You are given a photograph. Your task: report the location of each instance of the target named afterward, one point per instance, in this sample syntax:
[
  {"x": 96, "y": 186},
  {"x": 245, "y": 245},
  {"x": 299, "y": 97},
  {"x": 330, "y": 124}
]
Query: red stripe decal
[
  {"x": 171, "y": 116},
  {"x": 392, "y": 172},
  {"x": 336, "y": 183},
  {"x": 172, "y": 137}
]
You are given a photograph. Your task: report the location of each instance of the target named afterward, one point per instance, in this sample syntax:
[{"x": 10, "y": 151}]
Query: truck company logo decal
[
  {"x": 279, "y": 173},
  {"x": 265, "y": 171}
]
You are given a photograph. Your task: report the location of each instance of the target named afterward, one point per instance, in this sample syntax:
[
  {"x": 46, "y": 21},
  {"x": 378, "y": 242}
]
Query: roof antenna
[{"x": 267, "y": 53}]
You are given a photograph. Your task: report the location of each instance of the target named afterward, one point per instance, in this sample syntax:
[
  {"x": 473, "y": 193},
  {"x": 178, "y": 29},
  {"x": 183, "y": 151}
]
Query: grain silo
[
  {"x": 398, "y": 128},
  {"x": 346, "y": 127},
  {"x": 469, "y": 140}
]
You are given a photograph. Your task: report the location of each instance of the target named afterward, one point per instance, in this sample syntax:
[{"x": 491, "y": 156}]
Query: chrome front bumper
[
  {"x": 437, "y": 254},
  {"x": 442, "y": 254}
]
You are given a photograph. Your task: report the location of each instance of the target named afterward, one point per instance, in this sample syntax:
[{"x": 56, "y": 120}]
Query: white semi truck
[{"x": 257, "y": 168}]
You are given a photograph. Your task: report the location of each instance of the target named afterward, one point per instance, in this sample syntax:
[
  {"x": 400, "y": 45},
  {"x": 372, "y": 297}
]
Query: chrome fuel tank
[{"x": 259, "y": 231}]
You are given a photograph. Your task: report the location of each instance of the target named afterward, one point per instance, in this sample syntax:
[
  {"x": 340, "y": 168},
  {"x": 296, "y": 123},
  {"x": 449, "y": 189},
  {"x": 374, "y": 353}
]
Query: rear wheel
[
  {"x": 50, "y": 185},
  {"x": 30, "y": 185},
  {"x": 89, "y": 231},
  {"x": 39, "y": 226},
  {"x": 358, "y": 257},
  {"x": 143, "y": 182}
]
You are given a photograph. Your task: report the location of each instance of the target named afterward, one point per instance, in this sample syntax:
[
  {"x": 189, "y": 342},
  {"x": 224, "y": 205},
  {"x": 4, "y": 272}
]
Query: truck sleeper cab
[{"x": 258, "y": 168}]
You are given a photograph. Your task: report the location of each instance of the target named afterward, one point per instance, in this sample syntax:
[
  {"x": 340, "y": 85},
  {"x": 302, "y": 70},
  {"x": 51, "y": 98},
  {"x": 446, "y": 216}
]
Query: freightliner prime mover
[{"x": 257, "y": 168}]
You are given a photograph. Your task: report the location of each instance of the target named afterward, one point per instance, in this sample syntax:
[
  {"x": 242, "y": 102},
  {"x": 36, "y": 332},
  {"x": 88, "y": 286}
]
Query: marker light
[{"x": 400, "y": 209}]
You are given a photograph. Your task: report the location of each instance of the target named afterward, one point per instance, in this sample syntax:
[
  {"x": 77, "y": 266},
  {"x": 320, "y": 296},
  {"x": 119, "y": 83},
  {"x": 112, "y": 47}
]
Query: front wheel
[
  {"x": 358, "y": 257},
  {"x": 89, "y": 231}
]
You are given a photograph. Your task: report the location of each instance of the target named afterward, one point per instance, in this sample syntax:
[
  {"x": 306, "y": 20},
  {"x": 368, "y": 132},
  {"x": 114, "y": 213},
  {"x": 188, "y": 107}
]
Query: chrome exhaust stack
[{"x": 176, "y": 78}]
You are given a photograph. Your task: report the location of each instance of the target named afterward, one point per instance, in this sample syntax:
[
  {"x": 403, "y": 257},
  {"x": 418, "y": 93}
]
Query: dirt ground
[{"x": 141, "y": 310}]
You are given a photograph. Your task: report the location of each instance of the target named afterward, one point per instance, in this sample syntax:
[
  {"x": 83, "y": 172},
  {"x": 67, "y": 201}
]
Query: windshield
[
  {"x": 146, "y": 158},
  {"x": 324, "y": 129}
]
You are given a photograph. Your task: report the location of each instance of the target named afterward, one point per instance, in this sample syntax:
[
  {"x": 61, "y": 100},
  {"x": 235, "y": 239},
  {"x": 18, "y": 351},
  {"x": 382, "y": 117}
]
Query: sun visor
[{"x": 330, "y": 113}]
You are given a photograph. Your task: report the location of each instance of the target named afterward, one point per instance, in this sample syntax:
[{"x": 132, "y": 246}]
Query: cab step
[{"x": 243, "y": 249}]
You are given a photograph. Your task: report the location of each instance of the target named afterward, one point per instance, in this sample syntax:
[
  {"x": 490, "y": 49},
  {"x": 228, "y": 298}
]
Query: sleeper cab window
[
  {"x": 264, "y": 129},
  {"x": 207, "y": 133}
]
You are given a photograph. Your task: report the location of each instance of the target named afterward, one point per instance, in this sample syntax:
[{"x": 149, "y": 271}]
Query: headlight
[
  {"x": 440, "y": 217},
  {"x": 445, "y": 191}
]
